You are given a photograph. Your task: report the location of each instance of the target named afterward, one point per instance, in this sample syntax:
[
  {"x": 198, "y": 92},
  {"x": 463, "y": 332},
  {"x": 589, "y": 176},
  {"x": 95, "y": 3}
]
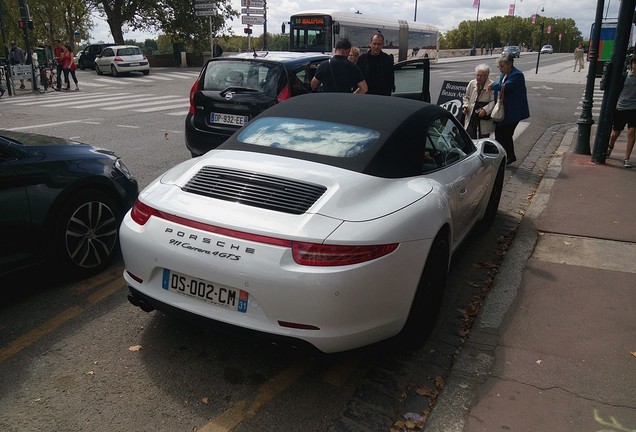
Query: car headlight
[{"x": 121, "y": 166}]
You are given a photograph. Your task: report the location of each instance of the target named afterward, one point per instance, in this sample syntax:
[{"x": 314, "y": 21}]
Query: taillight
[
  {"x": 118, "y": 59},
  {"x": 284, "y": 94},
  {"x": 313, "y": 254},
  {"x": 141, "y": 212},
  {"x": 192, "y": 91}
]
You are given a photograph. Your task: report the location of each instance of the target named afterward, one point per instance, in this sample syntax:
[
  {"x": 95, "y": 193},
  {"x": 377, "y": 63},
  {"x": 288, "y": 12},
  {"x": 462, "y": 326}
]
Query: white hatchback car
[
  {"x": 547, "y": 49},
  {"x": 122, "y": 59}
]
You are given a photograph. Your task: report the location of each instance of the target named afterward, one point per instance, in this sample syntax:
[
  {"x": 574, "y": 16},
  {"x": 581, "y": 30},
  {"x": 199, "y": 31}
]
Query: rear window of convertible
[{"x": 309, "y": 136}]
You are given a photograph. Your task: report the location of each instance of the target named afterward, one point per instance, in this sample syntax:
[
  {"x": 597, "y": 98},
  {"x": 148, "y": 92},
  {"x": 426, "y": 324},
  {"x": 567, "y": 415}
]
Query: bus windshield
[{"x": 310, "y": 33}]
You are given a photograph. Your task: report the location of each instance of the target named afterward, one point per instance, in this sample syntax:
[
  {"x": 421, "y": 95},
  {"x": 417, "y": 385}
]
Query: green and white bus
[{"x": 318, "y": 31}]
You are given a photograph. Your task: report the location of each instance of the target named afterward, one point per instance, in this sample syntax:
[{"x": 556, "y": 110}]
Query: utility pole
[
  {"x": 610, "y": 97},
  {"x": 24, "y": 14},
  {"x": 585, "y": 120}
]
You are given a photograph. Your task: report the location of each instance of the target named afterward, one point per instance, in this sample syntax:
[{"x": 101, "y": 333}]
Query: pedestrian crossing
[
  {"x": 597, "y": 99},
  {"x": 176, "y": 105},
  {"x": 91, "y": 79}
]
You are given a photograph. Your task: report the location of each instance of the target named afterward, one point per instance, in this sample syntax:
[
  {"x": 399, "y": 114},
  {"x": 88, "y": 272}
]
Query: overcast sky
[{"x": 444, "y": 14}]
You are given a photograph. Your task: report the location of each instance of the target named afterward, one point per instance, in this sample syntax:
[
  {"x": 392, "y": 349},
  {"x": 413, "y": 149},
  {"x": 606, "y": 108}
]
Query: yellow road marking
[
  {"x": 109, "y": 289},
  {"x": 51, "y": 325},
  {"x": 27, "y": 339},
  {"x": 229, "y": 419},
  {"x": 340, "y": 372}
]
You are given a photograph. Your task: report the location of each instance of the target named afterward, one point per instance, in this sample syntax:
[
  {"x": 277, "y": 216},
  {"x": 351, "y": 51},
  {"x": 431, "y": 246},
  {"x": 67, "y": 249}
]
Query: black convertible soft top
[{"x": 401, "y": 123}]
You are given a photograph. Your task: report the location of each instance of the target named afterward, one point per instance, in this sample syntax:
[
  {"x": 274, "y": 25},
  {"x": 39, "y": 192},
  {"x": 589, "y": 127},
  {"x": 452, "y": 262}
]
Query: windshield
[
  {"x": 262, "y": 76},
  {"x": 309, "y": 136}
]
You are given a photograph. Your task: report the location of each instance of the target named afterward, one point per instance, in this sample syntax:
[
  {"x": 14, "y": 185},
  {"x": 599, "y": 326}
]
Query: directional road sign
[
  {"x": 253, "y": 19},
  {"x": 205, "y": 12},
  {"x": 204, "y": 5},
  {"x": 253, "y": 3},
  {"x": 253, "y": 11}
]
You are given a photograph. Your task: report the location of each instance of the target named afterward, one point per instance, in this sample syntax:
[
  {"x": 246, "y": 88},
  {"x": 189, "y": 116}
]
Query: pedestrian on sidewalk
[
  {"x": 377, "y": 67},
  {"x": 58, "y": 58},
  {"x": 339, "y": 74},
  {"x": 625, "y": 113},
  {"x": 217, "y": 51},
  {"x": 515, "y": 98},
  {"x": 478, "y": 104},
  {"x": 578, "y": 57},
  {"x": 16, "y": 57},
  {"x": 69, "y": 67}
]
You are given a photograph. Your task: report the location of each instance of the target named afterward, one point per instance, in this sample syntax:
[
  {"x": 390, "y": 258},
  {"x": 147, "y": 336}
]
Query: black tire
[
  {"x": 86, "y": 233},
  {"x": 98, "y": 70},
  {"x": 113, "y": 70},
  {"x": 493, "y": 201},
  {"x": 430, "y": 292},
  {"x": 147, "y": 72}
]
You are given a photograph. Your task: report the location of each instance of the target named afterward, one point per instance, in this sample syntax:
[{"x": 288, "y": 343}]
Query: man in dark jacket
[
  {"x": 339, "y": 74},
  {"x": 217, "y": 51},
  {"x": 16, "y": 57},
  {"x": 377, "y": 68}
]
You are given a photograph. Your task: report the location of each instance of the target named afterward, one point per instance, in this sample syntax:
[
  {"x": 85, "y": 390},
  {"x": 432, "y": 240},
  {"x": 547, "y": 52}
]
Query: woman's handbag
[{"x": 498, "y": 112}]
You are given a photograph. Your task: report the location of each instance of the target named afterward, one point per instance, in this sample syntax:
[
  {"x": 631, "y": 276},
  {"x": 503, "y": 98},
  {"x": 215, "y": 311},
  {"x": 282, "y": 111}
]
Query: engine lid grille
[{"x": 254, "y": 189}]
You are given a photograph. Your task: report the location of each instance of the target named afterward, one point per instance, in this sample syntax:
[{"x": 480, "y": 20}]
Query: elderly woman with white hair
[{"x": 479, "y": 101}]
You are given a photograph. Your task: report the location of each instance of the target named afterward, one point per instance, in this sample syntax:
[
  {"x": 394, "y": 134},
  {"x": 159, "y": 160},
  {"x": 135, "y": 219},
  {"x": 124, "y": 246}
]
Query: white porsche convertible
[{"x": 328, "y": 219}]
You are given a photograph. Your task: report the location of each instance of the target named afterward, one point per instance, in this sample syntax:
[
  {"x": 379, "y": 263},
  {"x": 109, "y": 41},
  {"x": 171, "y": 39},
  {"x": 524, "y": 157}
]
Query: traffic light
[{"x": 29, "y": 24}]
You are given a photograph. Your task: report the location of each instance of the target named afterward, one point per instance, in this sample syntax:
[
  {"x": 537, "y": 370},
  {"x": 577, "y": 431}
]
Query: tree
[
  {"x": 173, "y": 17},
  {"x": 133, "y": 14}
]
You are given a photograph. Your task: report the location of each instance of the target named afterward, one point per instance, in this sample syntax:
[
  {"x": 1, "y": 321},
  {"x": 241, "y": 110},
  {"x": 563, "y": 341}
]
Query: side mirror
[{"x": 282, "y": 28}]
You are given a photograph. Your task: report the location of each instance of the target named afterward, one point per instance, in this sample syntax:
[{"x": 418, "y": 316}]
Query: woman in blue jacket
[{"x": 515, "y": 103}]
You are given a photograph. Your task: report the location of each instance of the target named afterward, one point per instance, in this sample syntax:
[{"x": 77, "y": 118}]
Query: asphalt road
[{"x": 77, "y": 356}]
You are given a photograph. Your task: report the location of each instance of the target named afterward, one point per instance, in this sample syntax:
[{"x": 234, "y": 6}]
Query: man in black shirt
[
  {"x": 339, "y": 74},
  {"x": 377, "y": 68}
]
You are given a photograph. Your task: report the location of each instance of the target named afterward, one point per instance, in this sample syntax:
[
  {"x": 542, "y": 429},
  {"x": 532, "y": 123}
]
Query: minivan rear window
[{"x": 264, "y": 77}]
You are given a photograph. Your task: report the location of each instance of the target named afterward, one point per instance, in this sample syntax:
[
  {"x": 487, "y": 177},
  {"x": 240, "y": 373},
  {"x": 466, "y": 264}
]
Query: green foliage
[
  {"x": 52, "y": 19},
  {"x": 506, "y": 30}
]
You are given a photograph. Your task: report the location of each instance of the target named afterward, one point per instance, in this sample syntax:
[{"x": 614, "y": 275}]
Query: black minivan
[
  {"x": 86, "y": 59},
  {"x": 230, "y": 91}
]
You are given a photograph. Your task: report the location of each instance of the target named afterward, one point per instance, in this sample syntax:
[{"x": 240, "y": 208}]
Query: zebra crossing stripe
[
  {"x": 144, "y": 100},
  {"x": 75, "y": 101},
  {"x": 161, "y": 108},
  {"x": 148, "y": 101},
  {"x": 66, "y": 98},
  {"x": 113, "y": 81}
]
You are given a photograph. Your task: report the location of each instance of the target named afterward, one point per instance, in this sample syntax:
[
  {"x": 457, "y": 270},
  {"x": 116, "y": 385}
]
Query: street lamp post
[
  {"x": 474, "y": 50},
  {"x": 536, "y": 13},
  {"x": 512, "y": 27},
  {"x": 585, "y": 120}
]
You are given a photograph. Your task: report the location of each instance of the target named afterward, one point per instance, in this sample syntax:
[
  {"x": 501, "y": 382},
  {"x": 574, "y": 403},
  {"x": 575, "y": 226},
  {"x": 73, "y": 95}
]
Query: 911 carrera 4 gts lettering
[{"x": 188, "y": 246}]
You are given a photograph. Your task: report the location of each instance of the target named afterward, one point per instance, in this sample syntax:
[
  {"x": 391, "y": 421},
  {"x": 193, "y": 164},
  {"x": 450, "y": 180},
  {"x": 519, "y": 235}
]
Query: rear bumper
[{"x": 199, "y": 141}]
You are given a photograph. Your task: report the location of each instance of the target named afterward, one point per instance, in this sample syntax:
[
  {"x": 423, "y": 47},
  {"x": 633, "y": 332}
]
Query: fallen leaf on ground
[
  {"x": 134, "y": 348},
  {"x": 425, "y": 391},
  {"x": 205, "y": 400}
]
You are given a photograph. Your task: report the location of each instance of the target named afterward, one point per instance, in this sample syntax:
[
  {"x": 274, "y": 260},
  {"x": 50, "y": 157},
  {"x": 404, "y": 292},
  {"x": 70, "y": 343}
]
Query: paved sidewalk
[{"x": 554, "y": 346}]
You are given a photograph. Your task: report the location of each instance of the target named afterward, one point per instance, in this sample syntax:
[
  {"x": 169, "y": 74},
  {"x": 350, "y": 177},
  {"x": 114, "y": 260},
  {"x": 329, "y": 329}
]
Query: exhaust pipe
[{"x": 141, "y": 304}]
